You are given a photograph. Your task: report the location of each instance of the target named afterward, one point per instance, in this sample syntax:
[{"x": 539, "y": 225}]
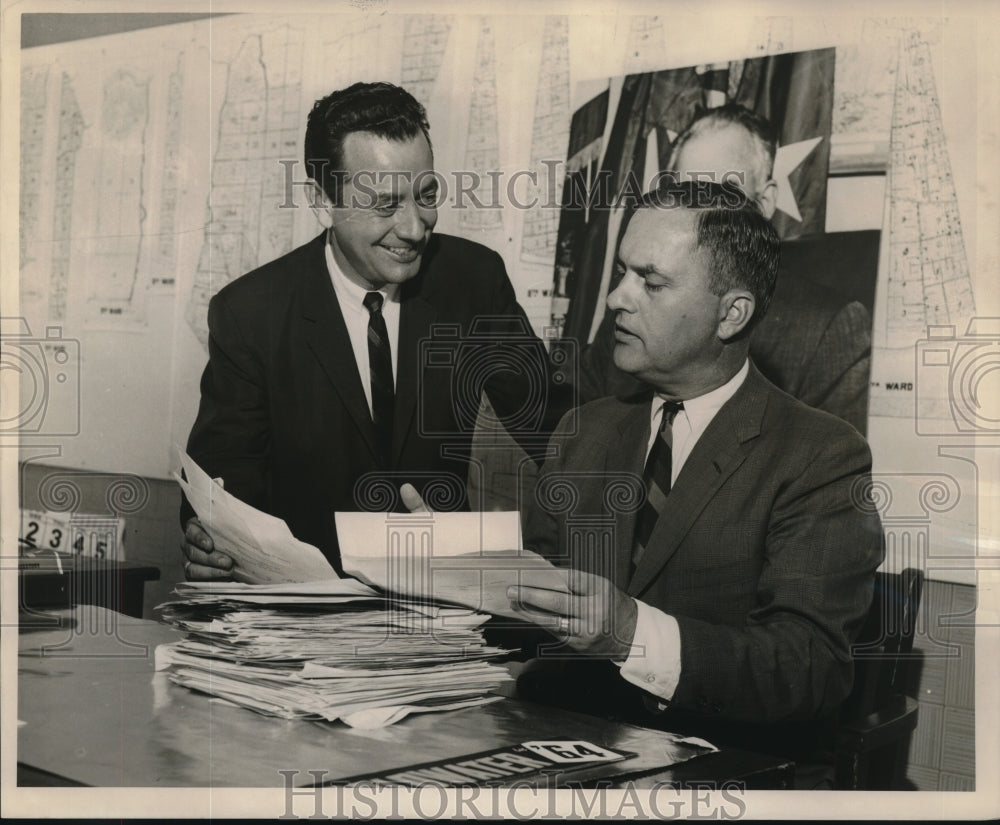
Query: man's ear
[
  {"x": 767, "y": 198},
  {"x": 320, "y": 204},
  {"x": 737, "y": 307}
]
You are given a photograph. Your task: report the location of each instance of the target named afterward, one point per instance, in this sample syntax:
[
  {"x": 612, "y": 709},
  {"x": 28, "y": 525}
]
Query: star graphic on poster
[{"x": 786, "y": 160}]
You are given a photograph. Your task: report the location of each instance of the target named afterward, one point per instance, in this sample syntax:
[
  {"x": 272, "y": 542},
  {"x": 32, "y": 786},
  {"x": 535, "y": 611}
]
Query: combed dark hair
[
  {"x": 380, "y": 108},
  {"x": 743, "y": 245},
  {"x": 733, "y": 114}
]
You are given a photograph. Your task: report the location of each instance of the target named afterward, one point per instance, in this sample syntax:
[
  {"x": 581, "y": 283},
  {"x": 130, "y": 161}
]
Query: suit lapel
[
  {"x": 716, "y": 456},
  {"x": 415, "y": 319},
  {"x": 627, "y": 455},
  {"x": 327, "y": 337}
]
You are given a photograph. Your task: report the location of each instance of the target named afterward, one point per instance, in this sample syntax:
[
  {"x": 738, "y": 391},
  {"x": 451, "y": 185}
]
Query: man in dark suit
[
  {"x": 814, "y": 343},
  {"x": 730, "y": 594},
  {"x": 355, "y": 363}
]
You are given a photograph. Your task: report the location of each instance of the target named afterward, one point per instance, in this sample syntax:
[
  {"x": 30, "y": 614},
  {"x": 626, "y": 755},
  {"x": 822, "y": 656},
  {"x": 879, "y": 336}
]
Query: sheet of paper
[
  {"x": 450, "y": 534},
  {"x": 324, "y": 587},
  {"x": 381, "y": 717},
  {"x": 322, "y": 591},
  {"x": 262, "y": 547},
  {"x": 466, "y": 558}
]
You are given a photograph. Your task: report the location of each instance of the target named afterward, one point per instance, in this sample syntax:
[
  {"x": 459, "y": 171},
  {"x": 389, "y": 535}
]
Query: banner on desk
[{"x": 498, "y": 766}]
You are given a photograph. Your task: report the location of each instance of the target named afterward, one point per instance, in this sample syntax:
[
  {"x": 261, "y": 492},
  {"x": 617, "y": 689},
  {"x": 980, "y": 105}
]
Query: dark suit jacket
[
  {"x": 283, "y": 416},
  {"x": 813, "y": 343},
  {"x": 765, "y": 555}
]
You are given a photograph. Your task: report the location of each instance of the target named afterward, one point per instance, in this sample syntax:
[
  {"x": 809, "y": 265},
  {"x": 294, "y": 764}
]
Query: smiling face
[
  {"x": 667, "y": 326},
  {"x": 387, "y": 212}
]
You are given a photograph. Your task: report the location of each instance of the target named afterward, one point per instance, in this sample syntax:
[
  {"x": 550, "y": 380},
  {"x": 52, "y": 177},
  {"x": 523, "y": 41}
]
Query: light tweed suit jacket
[{"x": 765, "y": 554}]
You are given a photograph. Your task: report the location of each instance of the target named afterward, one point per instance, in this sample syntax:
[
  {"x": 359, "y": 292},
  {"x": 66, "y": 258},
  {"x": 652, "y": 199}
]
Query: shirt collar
[
  {"x": 349, "y": 293},
  {"x": 701, "y": 410}
]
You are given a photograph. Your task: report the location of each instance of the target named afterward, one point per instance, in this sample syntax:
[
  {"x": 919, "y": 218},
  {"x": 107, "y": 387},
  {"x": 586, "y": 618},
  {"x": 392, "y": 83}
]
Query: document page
[
  {"x": 465, "y": 558},
  {"x": 262, "y": 548}
]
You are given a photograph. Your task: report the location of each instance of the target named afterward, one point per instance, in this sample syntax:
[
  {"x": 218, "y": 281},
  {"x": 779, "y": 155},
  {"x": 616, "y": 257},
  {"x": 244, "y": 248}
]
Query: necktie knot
[
  {"x": 373, "y": 302},
  {"x": 670, "y": 410}
]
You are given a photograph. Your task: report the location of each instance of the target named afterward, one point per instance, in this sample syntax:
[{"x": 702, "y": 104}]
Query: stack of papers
[{"x": 327, "y": 650}]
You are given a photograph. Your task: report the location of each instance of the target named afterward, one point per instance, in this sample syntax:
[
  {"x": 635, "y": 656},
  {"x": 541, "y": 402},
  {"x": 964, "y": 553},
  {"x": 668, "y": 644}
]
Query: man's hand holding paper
[
  {"x": 230, "y": 539},
  {"x": 204, "y": 562},
  {"x": 596, "y": 617}
]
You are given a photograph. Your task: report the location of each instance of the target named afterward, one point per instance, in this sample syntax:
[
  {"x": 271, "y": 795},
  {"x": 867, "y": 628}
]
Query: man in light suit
[
  {"x": 732, "y": 592},
  {"x": 814, "y": 343},
  {"x": 354, "y": 364}
]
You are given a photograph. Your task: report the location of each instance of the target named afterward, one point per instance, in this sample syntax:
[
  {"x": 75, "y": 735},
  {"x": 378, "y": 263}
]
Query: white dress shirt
[
  {"x": 351, "y": 298},
  {"x": 654, "y": 661}
]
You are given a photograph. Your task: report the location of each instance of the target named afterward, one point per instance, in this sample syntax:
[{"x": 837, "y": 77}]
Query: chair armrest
[{"x": 885, "y": 726}]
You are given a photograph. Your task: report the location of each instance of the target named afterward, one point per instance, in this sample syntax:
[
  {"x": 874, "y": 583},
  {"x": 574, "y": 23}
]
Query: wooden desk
[
  {"x": 95, "y": 713},
  {"x": 115, "y": 585}
]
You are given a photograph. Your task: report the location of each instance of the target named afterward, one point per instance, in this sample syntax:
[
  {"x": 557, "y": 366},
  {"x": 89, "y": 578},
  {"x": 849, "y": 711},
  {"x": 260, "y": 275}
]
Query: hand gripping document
[
  {"x": 262, "y": 548},
  {"x": 464, "y": 558}
]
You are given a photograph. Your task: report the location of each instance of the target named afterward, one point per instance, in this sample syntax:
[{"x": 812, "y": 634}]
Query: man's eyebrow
[
  {"x": 641, "y": 271},
  {"x": 651, "y": 274},
  {"x": 647, "y": 270}
]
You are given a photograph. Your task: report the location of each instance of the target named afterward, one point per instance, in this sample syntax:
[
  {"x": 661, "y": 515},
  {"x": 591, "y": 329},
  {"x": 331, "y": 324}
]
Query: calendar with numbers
[{"x": 71, "y": 534}]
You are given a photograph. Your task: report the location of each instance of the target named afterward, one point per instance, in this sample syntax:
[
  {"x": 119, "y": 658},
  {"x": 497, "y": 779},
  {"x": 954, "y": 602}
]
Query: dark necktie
[
  {"x": 380, "y": 371},
  {"x": 657, "y": 480}
]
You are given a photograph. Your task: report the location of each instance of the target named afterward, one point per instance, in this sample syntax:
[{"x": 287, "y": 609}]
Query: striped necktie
[
  {"x": 656, "y": 476},
  {"x": 380, "y": 371}
]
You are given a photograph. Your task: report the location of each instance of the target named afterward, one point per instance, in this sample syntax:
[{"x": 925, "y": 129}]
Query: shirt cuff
[{"x": 654, "y": 660}]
